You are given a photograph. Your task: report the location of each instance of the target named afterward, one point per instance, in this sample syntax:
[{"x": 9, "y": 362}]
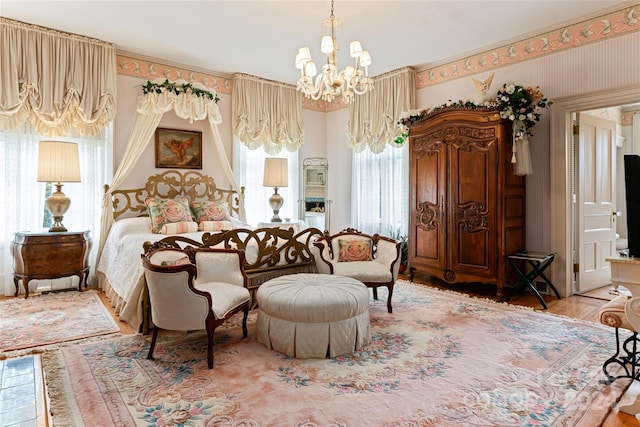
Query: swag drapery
[
  {"x": 151, "y": 107},
  {"x": 56, "y": 80},
  {"x": 373, "y": 117},
  {"x": 266, "y": 114}
]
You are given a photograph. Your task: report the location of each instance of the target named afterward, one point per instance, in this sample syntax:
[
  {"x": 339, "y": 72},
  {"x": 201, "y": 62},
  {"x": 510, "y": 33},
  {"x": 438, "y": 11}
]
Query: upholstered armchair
[
  {"x": 373, "y": 260},
  {"x": 195, "y": 289}
]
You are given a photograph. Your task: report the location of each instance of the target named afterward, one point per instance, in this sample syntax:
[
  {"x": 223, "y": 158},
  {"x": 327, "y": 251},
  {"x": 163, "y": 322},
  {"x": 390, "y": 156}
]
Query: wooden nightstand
[{"x": 50, "y": 256}]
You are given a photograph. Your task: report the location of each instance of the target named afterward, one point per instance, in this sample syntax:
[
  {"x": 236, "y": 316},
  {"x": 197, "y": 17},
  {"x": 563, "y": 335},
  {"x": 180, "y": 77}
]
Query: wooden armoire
[{"x": 466, "y": 207}]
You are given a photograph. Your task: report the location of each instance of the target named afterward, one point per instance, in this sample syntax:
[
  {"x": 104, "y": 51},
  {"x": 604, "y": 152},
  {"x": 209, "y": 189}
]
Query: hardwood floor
[{"x": 577, "y": 306}]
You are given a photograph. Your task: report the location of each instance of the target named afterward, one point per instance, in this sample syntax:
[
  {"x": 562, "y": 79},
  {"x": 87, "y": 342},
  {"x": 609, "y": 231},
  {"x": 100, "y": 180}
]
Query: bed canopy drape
[
  {"x": 56, "y": 80},
  {"x": 373, "y": 116},
  {"x": 150, "y": 109},
  {"x": 266, "y": 114}
]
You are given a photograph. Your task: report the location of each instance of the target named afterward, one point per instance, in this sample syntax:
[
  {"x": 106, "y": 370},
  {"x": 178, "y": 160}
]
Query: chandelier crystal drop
[{"x": 331, "y": 83}]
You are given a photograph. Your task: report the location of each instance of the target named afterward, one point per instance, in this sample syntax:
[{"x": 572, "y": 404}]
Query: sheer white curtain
[
  {"x": 380, "y": 172},
  {"x": 249, "y": 169},
  {"x": 23, "y": 209},
  {"x": 380, "y": 191}
]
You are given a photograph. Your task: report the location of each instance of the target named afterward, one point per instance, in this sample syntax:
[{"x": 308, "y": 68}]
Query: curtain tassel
[{"x": 513, "y": 148}]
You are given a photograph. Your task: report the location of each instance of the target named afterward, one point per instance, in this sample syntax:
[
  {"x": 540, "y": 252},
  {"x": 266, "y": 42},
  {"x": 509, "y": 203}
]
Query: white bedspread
[{"x": 120, "y": 265}]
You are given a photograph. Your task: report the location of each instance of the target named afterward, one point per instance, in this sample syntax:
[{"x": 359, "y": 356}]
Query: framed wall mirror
[{"x": 314, "y": 206}]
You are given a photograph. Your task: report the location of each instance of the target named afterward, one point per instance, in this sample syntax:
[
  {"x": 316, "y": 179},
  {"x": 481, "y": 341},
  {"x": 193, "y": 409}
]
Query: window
[
  {"x": 24, "y": 195},
  {"x": 380, "y": 191},
  {"x": 249, "y": 170}
]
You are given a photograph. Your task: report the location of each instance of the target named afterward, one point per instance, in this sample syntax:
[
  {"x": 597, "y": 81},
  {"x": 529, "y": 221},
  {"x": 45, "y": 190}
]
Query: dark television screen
[{"x": 632, "y": 187}]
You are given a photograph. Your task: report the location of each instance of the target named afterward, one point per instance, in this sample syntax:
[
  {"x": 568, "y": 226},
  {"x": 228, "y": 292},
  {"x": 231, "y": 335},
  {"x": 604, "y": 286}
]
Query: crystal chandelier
[{"x": 331, "y": 83}]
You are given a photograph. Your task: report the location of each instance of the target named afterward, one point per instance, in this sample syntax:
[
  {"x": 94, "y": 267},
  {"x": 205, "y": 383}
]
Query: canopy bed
[{"x": 269, "y": 252}]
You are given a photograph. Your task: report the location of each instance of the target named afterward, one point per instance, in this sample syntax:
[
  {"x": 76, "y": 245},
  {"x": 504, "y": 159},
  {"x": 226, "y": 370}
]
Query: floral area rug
[
  {"x": 53, "y": 318},
  {"x": 441, "y": 359}
]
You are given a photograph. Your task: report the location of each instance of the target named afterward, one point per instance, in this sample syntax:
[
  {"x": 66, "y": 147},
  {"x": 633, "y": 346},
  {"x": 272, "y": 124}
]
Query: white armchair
[
  {"x": 373, "y": 260},
  {"x": 195, "y": 289}
]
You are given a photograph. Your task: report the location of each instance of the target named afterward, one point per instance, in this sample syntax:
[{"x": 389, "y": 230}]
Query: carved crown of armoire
[{"x": 466, "y": 207}]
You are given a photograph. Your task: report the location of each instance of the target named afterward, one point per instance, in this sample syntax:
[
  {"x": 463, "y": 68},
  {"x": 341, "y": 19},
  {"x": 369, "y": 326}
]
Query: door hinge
[
  {"x": 576, "y": 268},
  {"x": 576, "y": 129}
]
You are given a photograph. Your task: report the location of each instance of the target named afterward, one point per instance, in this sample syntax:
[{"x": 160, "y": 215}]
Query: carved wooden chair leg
[
  {"x": 390, "y": 288},
  {"x": 245, "y": 333},
  {"x": 211, "y": 328},
  {"x": 375, "y": 293},
  {"x": 153, "y": 343}
]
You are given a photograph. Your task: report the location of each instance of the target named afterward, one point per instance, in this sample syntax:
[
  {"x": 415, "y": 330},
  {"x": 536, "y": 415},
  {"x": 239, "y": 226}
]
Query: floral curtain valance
[
  {"x": 187, "y": 105},
  {"x": 266, "y": 114},
  {"x": 56, "y": 80},
  {"x": 373, "y": 117}
]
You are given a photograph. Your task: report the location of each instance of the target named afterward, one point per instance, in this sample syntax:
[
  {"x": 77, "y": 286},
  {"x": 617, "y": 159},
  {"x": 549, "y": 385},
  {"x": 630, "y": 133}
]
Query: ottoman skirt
[{"x": 313, "y": 315}]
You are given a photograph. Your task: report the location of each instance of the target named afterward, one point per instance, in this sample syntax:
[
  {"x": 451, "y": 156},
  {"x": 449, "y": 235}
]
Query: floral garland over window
[
  {"x": 178, "y": 88},
  {"x": 520, "y": 105}
]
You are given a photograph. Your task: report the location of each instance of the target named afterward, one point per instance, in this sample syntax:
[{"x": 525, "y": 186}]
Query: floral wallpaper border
[{"x": 603, "y": 27}]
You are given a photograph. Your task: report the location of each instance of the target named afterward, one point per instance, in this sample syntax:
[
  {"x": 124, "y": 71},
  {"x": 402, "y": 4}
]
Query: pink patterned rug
[
  {"x": 441, "y": 359},
  {"x": 53, "y": 318}
]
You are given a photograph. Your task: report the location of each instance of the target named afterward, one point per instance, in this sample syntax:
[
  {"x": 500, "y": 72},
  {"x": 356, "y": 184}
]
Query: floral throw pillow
[
  {"x": 210, "y": 211},
  {"x": 354, "y": 250},
  {"x": 165, "y": 211}
]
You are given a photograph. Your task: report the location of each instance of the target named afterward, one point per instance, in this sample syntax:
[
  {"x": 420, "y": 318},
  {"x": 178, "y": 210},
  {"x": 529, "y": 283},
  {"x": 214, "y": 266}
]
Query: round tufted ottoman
[{"x": 313, "y": 315}]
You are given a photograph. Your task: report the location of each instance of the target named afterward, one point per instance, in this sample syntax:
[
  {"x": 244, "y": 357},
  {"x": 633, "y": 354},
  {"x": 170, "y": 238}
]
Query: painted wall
[{"x": 569, "y": 62}]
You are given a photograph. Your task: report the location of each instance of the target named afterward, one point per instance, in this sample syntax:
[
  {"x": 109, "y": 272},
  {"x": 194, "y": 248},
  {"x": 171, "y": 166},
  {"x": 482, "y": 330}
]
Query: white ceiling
[{"x": 262, "y": 37}]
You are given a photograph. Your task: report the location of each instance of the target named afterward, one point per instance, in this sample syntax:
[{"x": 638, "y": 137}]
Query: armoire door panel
[
  {"x": 429, "y": 172},
  {"x": 428, "y": 200},
  {"x": 468, "y": 256},
  {"x": 473, "y": 170},
  {"x": 427, "y": 248}
]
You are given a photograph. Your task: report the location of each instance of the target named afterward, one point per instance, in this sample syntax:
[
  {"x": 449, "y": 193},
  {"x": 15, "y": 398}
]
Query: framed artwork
[{"x": 180, "y": 149}]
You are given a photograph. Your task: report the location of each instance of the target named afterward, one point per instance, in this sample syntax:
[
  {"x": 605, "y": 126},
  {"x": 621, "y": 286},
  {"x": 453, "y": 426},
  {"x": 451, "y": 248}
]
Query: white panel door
[{"x": 596, "y": 201}]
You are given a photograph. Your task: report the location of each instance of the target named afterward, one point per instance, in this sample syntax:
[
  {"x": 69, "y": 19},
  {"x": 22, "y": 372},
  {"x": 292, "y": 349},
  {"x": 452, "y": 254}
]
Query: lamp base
[
  {"x": 58, "y": 204},
  {"x": 275, "y": 202},
  {"x": 57, "y": 226}
]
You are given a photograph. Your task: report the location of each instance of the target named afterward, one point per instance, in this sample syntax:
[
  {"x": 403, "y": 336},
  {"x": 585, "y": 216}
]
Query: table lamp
[
  {"x": 58, "y": 162},
  {"x": 276, "y": 174}
]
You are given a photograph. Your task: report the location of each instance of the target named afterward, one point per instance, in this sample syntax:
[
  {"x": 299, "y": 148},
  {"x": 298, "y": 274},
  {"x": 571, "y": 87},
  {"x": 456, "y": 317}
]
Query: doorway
[
  {"x": 594, "y": 195},
  {"x": 561, "y": 225}
]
